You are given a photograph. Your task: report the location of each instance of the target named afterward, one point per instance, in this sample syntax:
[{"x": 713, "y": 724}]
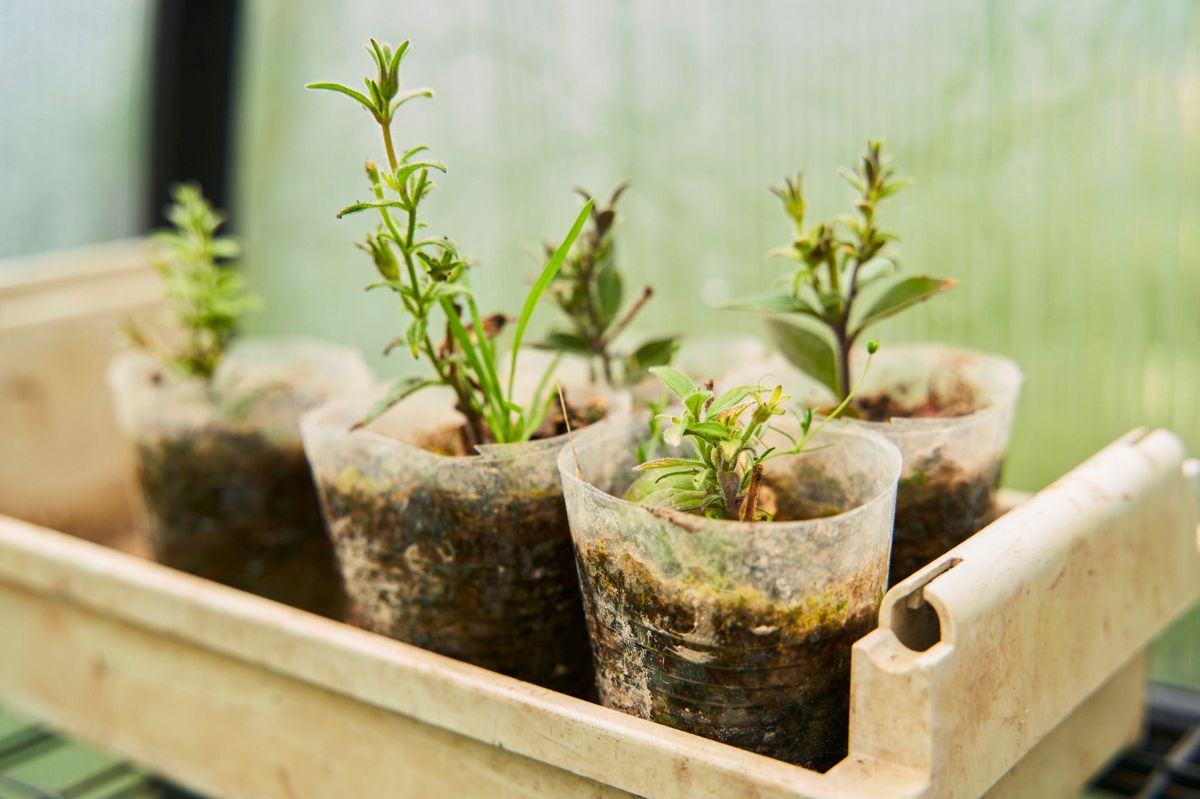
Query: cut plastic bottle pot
[
  {"x": 954, "y": 447},
  {"x": 468, "y": 556},
  {"x": 740, "y": 632},
  {"x": 227, "y": 490}
]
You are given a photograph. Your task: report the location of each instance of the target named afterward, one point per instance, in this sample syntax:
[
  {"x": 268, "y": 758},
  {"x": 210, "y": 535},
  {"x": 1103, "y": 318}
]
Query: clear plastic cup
[
  {"x": 227, "y": 490},
  {"x": 466, "y": 555},
  {"x": 735, "y": 631},
  {"x": 952, "y": 461}
]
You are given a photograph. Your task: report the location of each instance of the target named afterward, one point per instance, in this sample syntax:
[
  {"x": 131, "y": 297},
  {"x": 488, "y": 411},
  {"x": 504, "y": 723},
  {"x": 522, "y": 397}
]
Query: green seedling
[
  {"x": 836, "y": 262},
  {"x": 430, "y": 277},
  {"x": 722, "y": 477},
  {"x": 590, "y": 291},
  {"x": 206, "y": 296}
]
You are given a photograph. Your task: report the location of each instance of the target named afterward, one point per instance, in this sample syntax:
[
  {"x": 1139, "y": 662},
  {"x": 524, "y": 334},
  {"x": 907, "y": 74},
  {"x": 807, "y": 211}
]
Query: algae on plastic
[{"x": 740, "y": 632}]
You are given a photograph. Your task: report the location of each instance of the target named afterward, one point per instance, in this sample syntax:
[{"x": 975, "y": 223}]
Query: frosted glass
[
  {"x": 1055, "y": 149},
  {"x": 74, "y": 88}
]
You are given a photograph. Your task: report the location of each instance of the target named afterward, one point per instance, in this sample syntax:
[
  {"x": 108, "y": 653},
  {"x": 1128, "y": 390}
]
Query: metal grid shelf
[
  {"x": 36, "y": 763},
  {"x": 1165, "y": 764}
]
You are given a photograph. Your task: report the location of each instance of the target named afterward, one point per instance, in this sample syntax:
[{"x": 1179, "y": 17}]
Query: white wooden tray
[{"x": 1012, "y": 665}]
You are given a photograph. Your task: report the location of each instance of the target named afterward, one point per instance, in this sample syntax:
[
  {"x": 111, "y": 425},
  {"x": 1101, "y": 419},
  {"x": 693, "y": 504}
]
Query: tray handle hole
[{"x": 914, "y": 621}]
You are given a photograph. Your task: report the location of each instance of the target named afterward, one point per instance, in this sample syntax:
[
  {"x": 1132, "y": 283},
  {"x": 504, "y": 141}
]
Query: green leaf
[
  {"x": 225, "y": 247},
  {"x": 609, "y": 291},
  {"x": 903, "y": 294},
  {"x": 409, "y": 95},
  {"x": 809, "y": 351},
  {"x": 404, "y": 170},
  {"x": 695, "y": 401},
  {"x": 662, "y": 463},
  {"x": 729, "y": 398},
  {"x": 415, "y": 335},
  {"x": 656, "y": 352},
  {"x": 354, "y": 208},
  {"x": 440, "y": 290},
  {"x": 346, "y": 90},
  {"x": 564, "y": 341},
  {"x": 399, "y": 391},
  {"x": 486, "y": 350},
  {"x": 539, "y": 287},
  {"x": 773, "y": 302},
  {"x": 541, "y": 401},
  {"x": 711, "y": 431},
  {"x": 680, "y": 384}
]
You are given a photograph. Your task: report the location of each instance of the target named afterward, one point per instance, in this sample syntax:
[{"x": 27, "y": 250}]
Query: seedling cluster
[
  {"x": 835, "y": 262},
  {"x": 590, "y": 292},
  {"x": 431, "y": 279},
  {"x": 722, "y": 479},
  {"x": 206, "y": 294}
]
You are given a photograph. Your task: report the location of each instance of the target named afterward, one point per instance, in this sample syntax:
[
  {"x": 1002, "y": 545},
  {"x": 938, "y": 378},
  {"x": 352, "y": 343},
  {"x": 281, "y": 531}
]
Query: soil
[
  {"x": 938, "y": 506},
  {"x": 730, "y": 665},
  {"x": 955, "y": 399},
  {"x": 240, "y": 510},
  {"x": 482, "y": 570}
]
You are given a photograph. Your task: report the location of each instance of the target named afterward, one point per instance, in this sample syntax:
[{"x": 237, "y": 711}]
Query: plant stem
[
  {"x": 843, "y": 345},
  {"x": 750, "y": 500},
  {"x": 386, "y": 127}
]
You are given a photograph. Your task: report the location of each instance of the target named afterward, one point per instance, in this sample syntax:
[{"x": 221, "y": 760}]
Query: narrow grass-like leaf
[
  {"x": 663, "y": 463},
  {"x": 354, "y": 208},
  {"x": 400, "y": 390},
  {"x": 780, "y": 302},
  {"x": 346, "y": 90},
  {"x": 486, "y": 349},
  {"x": 491, "y": 391},
  {"x": 409, "y": 95},
  {"x": 540, "y": 403},
  {"x": 539, "y": 287}
]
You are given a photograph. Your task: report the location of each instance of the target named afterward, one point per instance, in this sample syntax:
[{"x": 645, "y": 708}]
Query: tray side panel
[
  {"x": 1078, "y": 748},
  {"x": 105, "y": 591},
  {"x": 991, "y": 648},
  {"x": 63, "y": 462},
  {"x": 228, "y": 729}
]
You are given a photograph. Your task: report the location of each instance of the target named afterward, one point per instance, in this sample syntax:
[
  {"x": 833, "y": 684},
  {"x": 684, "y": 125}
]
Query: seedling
[
  {"x": 836, "y": 261},
  {"x": 430, "y": 278},
  {"x": 590, "y": 291},
  {"x": 207, "y": 297},
  {"x": 723, "y": 477}
]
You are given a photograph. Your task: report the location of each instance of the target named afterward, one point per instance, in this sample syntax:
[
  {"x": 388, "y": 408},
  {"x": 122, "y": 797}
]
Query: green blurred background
[{"x": 1054, "y": 148}]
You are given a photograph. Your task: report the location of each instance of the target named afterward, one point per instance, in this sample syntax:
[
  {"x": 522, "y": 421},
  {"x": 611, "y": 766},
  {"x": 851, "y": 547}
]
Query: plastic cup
[
  {"x": 739, "y": 632},
  {"x": 952, "y": 461},
  {"x": 226, "y": 486},
  {"x": 466, "y": 555}
]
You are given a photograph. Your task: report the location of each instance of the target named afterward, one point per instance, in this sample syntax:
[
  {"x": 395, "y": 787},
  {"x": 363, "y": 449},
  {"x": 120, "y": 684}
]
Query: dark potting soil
[
  {"x": 238, "y": 509},
  {"x": 938, "y": 506},
  {"x": 481, "y": 569},
  {"x": 487, "y": 578},
  {"x": 735, "y": 668}
]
